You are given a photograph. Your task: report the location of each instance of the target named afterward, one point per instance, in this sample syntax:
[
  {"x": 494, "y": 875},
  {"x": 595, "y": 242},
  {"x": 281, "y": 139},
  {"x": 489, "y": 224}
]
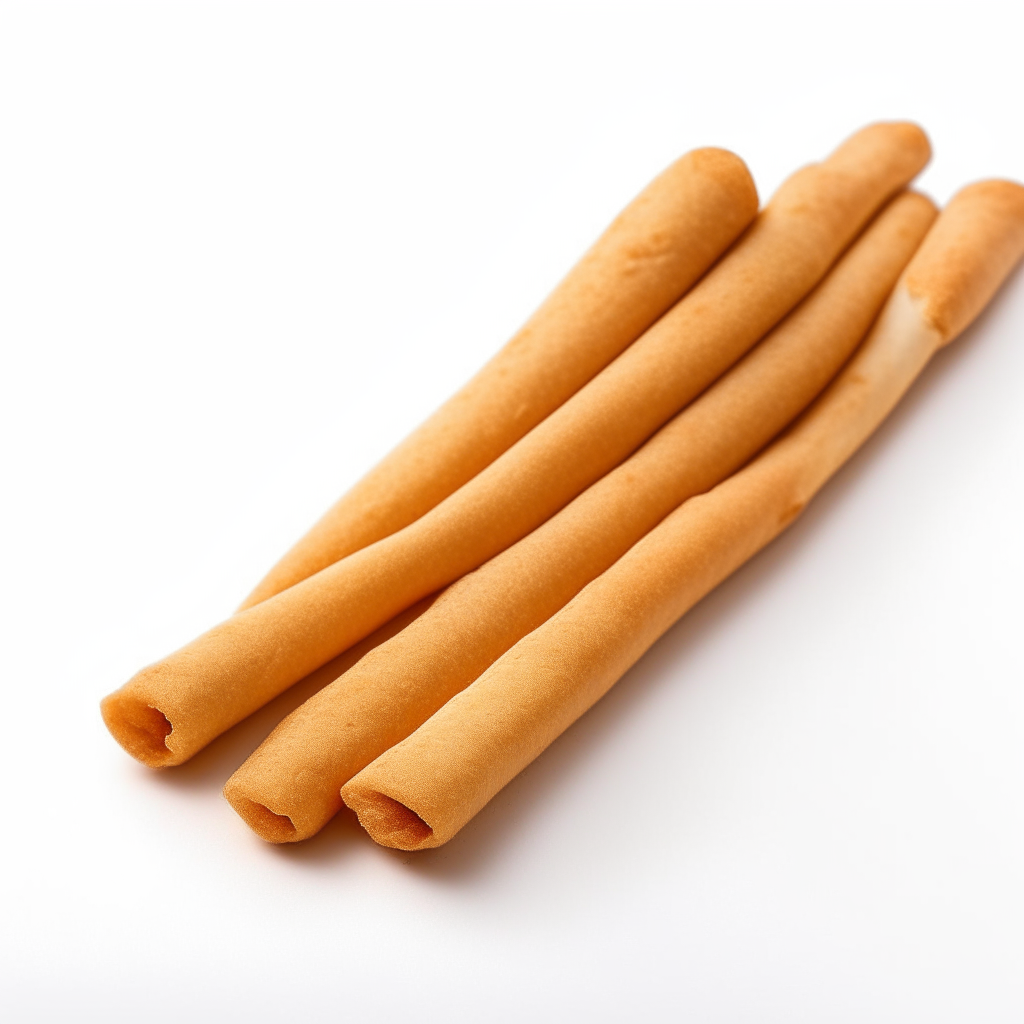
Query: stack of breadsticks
[{"x": 671, "y": 408}]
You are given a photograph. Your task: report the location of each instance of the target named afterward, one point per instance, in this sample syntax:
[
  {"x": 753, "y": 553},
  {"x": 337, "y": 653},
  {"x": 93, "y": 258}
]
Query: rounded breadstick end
[
  {"x": 975, "y": 243},
  {"x": 140, "y": 728},
  {"x": 728, "y": 172},
  {"x": 900, "y": 142}
]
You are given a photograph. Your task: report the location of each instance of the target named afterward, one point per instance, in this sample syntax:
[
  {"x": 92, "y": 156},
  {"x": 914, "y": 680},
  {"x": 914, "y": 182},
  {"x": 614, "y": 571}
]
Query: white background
[{"x": 244, "y": 248}]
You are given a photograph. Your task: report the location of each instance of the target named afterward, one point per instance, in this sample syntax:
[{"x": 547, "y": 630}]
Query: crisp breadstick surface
[{"x": 296, "y": 774}]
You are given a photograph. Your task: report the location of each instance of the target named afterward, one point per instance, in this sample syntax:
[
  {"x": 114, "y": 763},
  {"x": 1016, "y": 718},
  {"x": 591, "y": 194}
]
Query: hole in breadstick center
[
  {"x": 391, "y": 823},
  {"x": 142, "y": 730},
  {"x": 275, "y": 828},
  {"x": 155, "y": 724}
]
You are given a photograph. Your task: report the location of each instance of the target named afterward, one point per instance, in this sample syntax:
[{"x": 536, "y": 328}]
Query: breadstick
[
  {"x": 289, "y": 788},
  {"x": 421, "y": 792},
  {"x": 238, "y": 666},
  {"x": 652, "y": 254}
]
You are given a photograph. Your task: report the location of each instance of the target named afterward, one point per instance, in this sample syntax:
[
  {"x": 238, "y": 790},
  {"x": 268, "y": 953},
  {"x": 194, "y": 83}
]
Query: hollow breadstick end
[
  {"x": 973, "y": 247},
  {"x": 650, "y": 255}
]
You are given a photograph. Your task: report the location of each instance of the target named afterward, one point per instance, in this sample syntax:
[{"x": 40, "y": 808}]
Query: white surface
[{"x": 243, "y": 250}]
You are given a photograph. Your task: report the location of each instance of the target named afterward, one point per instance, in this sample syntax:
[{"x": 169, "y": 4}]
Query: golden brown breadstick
[
  {"x": 238, "y": 666},
  {"x": 289, "y": 788},
  {"x": 650, "y": 255},
  {"x": 421, "y": 792}
]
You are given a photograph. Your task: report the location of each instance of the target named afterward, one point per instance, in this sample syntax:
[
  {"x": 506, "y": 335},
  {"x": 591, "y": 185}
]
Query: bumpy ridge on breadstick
[
  {"x": 296, "y": 774},
  {"x": 422, "y": 791}
]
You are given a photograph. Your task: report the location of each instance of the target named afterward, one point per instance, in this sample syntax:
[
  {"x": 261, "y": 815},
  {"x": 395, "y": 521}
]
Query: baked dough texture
[
  {"x": 420, "y": 792},
  {"x": 289, "y": 788},
  {"x": 198, "y": 692},
  {"x": 650, "y": 256}
]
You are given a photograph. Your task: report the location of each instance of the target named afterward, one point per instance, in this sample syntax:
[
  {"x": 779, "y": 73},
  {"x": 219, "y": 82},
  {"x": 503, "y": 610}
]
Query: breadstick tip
[
  {"x": 903, "y": 141},
  {"x": 913, "y": 198},
  {"x": 725, "y": 166},
  {"x": 975, "y": 243},
  {"x": 915, "y": 211}
]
